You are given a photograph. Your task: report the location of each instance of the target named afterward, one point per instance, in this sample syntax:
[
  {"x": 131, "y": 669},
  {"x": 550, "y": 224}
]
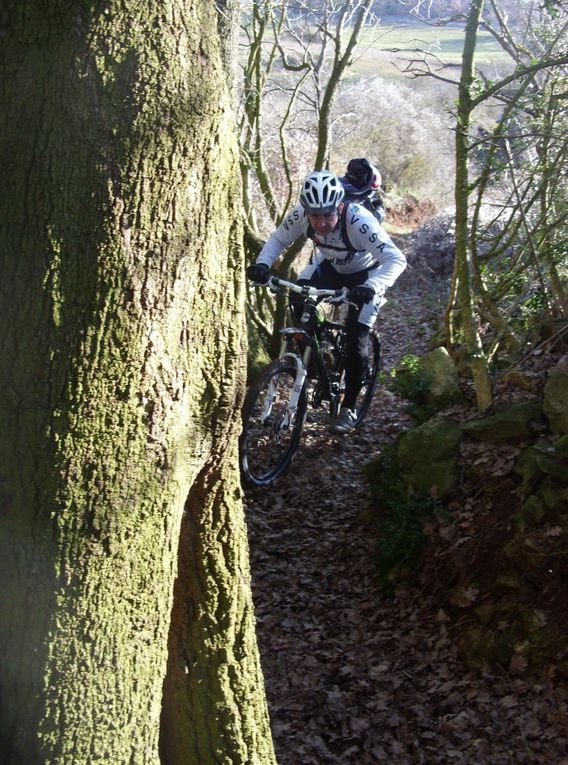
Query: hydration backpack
[{"x": 362, "y": 183}]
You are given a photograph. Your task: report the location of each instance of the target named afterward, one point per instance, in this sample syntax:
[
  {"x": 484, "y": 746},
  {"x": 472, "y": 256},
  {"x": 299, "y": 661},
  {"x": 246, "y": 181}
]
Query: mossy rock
[
  {"x": 551, "y": 463},
  {"x": 428, "y": 457},
  {"x": 554, "y": 496},
  {"x": 539, "y": 460},
  {"x": 512, "y": 425},
  {"x": 556, "y": 400},
  {"x": 526, "y": 634},
  {"x": 532, "y": 635},
  {"x": 385, "y": 481},
  {"x": 526, "y": 467},
  {"x": 443, "y": 389},
  {"x": 530, "y": 515}
]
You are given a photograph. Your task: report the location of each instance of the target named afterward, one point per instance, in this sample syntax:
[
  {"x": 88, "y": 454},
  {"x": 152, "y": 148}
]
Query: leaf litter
[{"x": 353, "y": 676}]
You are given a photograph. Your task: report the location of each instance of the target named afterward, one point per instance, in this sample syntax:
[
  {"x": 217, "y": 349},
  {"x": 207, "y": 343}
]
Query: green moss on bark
[{"x": 122, "y": 301}]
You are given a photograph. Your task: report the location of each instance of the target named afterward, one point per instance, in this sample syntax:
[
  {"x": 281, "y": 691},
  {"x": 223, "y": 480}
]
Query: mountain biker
[
  {"x": 362, "y": 182},
  {"x": 367, "y": 263}
]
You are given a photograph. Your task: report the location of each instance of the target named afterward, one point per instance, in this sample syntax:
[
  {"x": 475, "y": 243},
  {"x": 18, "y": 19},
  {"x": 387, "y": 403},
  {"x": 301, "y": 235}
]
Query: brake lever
[
  {"x": 341, "y": 299},
  {"x": 276, "y": 288}
]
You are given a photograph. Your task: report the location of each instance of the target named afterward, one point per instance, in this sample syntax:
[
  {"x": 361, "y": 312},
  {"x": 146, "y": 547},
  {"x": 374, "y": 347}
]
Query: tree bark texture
[{"x": 121, "y": 302}]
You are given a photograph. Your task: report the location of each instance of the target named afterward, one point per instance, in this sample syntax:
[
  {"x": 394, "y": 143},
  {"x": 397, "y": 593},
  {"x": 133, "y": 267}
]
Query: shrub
[
  {"x": 401, "y": 534},
  {"x": 411, "y": 381}
]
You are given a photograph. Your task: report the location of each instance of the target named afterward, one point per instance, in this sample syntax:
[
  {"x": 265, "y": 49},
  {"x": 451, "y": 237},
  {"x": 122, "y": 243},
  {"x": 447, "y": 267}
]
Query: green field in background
[
  {"x": 445, "y": 43},
  {"x": 441, "y": 46}
]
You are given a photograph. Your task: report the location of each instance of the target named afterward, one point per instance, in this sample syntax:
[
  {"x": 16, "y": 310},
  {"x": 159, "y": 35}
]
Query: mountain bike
[{"x": 310, "y": 370}]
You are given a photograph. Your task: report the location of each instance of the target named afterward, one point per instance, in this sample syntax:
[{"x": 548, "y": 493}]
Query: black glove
[
  {"x": 361, "y": 294},
  {"x": 259, "y": 273}
]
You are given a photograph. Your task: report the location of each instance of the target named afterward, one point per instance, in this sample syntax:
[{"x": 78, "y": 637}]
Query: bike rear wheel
[
  {"x": 270, "y": 435},
  {"x": 369, "y": 383}
]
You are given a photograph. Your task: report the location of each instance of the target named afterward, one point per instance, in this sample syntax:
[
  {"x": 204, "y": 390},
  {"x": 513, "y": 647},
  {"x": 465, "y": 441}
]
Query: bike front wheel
[{"x": 271, "y": 432}]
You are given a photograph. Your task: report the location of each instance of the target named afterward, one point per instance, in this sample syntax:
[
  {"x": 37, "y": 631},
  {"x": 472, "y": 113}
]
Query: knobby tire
[
  {"x": 266, "y": 446},
  {"x": 370, "y": 380}
]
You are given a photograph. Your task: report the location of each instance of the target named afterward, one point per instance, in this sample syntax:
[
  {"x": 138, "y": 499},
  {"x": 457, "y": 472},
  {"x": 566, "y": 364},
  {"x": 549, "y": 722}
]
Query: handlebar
[{"x": 274, "y": 283}]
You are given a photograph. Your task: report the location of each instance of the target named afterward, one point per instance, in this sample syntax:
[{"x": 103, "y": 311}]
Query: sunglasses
[{"x": 324, "y": 216}]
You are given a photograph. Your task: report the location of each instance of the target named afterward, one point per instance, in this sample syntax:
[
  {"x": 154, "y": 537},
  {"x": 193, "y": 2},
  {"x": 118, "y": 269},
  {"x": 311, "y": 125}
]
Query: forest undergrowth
[{"x": 354, "y": 676}]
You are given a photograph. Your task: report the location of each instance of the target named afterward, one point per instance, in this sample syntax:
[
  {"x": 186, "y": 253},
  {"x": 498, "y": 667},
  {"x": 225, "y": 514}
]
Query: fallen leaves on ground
[{"x": 354, "y": 677}]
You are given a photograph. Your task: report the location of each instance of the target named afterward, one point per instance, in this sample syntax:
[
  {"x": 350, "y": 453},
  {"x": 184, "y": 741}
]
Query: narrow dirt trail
[{"x": 352, "y": 676}]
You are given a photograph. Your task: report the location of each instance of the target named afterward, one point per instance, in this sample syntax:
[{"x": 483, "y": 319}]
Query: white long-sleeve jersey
[{"x": 369, "y": 246}]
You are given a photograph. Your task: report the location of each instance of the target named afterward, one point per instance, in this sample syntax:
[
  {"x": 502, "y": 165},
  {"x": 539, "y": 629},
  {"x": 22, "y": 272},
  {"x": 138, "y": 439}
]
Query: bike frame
[{"x": 311, "y": 295}]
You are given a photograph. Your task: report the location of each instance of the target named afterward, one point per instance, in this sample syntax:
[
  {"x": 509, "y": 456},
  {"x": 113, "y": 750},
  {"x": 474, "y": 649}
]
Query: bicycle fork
[{"x": 299, "y": 380}]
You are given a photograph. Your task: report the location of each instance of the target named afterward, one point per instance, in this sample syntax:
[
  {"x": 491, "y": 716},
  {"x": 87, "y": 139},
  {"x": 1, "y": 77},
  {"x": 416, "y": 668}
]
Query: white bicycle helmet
[{"x": 321, "y": 193}]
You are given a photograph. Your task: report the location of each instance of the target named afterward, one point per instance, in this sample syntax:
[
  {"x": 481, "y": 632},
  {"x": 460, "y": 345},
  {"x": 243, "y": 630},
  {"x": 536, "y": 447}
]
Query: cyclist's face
[{"x": 325, "y": 224}]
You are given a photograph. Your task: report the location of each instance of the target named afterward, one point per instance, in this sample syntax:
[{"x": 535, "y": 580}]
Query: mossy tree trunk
[
  {"x": 463, "y": 265},
  {"x": 121, "y": 302}
]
